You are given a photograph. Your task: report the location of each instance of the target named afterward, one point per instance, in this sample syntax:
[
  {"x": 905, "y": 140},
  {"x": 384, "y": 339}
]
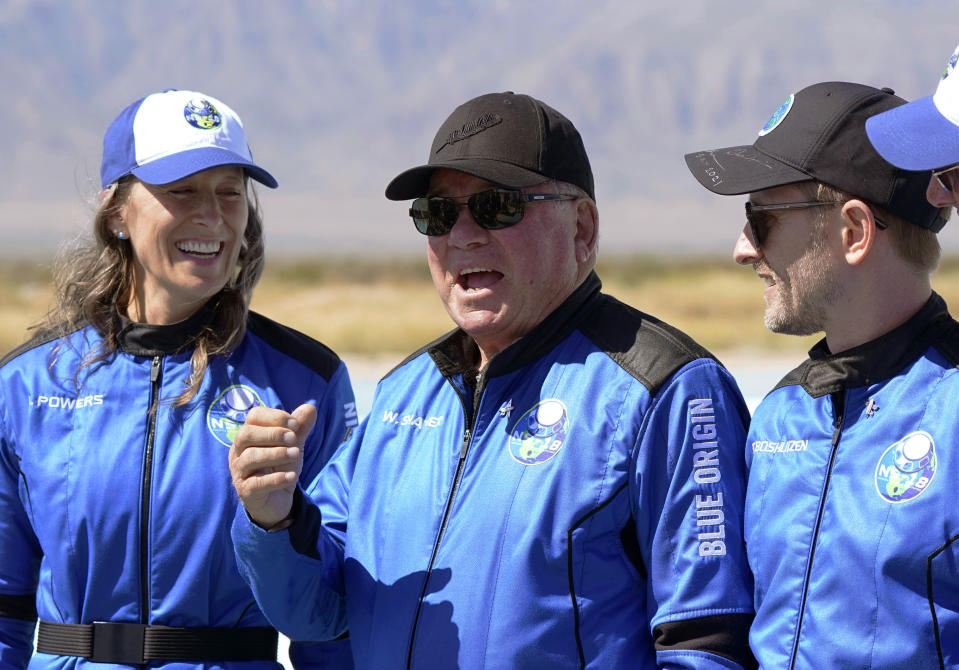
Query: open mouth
[
  {"x": 766, "y": 275},
  {"x": 199, "y": 248},
  {"x": 477, "y": 279}
]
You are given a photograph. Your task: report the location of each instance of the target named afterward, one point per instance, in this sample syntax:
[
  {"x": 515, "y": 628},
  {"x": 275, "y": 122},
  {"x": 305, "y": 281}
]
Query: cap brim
[
  {"x": 415, "y": 182},
  {"x": 915, "y": 136},
  {"x": 183, "y": 164},
  {"x": 739, "y": 170}
]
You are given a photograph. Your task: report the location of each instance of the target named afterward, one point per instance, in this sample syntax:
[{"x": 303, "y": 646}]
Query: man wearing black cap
[
  {"x": 851, "y": 524},
  {"x": 555, "y": 483}
]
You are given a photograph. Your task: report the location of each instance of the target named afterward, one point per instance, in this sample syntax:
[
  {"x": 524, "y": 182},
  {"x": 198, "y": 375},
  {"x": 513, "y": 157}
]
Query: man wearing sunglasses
[
  {"x": 555, "y": 483},
  {"x": 924, "y": 135},
  {"x": 851, "y": 526}
]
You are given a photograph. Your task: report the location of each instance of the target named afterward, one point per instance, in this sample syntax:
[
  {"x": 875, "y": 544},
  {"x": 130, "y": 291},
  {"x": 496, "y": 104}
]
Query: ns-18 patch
[
  {"x": 540, "y": 433},
  {"x": 200, "y": 113},
  {"x": 905, "y": 470},
  {"x": 227, "y": 413}
]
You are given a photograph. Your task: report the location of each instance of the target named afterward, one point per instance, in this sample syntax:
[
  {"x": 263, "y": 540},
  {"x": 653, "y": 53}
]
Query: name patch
[{"x": 65, "y": 403}]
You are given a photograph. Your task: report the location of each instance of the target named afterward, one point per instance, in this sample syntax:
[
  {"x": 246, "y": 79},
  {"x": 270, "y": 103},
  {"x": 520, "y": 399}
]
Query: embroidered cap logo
[
  {"x": 201, "y": 113},
  {"x": 471, "y": 128},
  {"x": 778, "y": 116},
  {"x": 951, "y": 65}
]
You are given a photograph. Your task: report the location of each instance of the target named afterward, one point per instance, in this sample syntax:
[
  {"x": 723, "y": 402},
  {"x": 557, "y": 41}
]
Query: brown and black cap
[{"x": 508, "y": 139}]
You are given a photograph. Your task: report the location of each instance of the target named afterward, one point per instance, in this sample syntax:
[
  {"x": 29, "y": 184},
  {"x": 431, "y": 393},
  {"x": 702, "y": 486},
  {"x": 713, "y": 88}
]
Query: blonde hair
[
  {"x": 93, "y": 282},
  {"x": 917, "y": 246}
]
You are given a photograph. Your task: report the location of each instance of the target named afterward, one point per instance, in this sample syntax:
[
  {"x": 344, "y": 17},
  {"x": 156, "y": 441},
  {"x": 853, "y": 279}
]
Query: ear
[
  {"x": 115, "y": 216},
  {"x": 859, "y": 231},
  {"x": 587, "y": 230}
]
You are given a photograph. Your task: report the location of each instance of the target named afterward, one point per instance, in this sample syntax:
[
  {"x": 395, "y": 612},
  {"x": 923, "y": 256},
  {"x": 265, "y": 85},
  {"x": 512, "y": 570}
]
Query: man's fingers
[
  {"x": 265, "y": 483},
  {"x": 260, "y": 460},
  {"x": 267, "y": 416},
  {"x": 266, "y": 459},
  {"x": 305, "y": 416},
  {"x": 274, "y": 427},
  {"x": 252, "y": 435}
]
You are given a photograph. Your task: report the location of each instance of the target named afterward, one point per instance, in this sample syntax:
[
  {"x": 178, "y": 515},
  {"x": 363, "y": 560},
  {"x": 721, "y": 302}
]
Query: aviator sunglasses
[
  {"x": 760, "y": 221},
  {"x": 492, "y": 210},
  {"x": 948, "y": 178}
]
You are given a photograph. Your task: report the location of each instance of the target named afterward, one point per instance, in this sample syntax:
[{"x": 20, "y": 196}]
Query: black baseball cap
[
  {"x": 819, "y": 134},
  {"x": 508, "y": 139}
]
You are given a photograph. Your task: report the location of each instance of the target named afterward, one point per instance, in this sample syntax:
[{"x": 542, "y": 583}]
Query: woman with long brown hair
[{"x": 116, "y": 416}]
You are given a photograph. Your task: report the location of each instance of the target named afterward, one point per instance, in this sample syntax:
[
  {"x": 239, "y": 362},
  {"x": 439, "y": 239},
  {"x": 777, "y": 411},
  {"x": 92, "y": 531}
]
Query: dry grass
[
  {"x": 24, "y": 297},
  {"x": 369, "y": 307}
]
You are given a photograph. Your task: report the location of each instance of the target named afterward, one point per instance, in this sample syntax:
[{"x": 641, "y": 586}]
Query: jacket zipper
[
  {"x": 838, "y": 405},
  {"x": 464, "y": 449},
  {"x": 146, "y": 479}
]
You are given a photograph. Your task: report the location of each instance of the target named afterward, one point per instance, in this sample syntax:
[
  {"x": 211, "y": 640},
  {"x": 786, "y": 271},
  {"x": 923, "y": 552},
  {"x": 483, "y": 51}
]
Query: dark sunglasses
[
  {"x": 493, "y": 209},
  {"x": 948, "y": 178},
  {"x": 760, "y": 221}
]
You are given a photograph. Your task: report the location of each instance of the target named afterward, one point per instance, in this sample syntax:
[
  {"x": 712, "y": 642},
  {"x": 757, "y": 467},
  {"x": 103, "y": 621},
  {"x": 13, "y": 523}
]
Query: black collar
[
  {"x": 143, "y": 339},
  {"x": 880, "y": 359}
]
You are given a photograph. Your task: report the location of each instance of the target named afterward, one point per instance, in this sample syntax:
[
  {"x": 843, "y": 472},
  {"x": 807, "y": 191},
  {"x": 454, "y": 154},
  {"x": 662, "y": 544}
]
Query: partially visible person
[
  {"x": 851, "y": 528},
  {"x": 114, "y": 511},
  {"x": 556, "y": 483},
  {"x": 924, "y": 135}
]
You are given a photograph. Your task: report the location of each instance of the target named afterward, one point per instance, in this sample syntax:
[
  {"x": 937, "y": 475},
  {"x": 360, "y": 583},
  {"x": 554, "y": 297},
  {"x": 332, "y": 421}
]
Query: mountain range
[{"x": 339, "y": 96}]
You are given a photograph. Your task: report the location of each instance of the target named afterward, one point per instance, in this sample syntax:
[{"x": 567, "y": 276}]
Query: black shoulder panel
[
  {"x": 32, "y": 343},
  {"x": 794, "y": 377},
  {"x": 311, "y": 353},
  {"x": 449, "y": 352},
  {"x": 948, "y": 343},
  {"x": 647, "y": 348},
  {"x": 417, "y": 353}
]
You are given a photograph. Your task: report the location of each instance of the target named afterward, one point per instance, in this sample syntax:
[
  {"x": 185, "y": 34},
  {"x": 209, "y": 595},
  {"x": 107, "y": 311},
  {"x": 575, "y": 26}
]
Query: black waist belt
[{"x": 134, "y": 643}]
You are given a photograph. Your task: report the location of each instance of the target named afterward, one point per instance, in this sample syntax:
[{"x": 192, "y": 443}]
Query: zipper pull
[
  {"x": 838, "y": 408},
  {"x": 155, "y": 369},
  {"x": 466, "y": 443}
]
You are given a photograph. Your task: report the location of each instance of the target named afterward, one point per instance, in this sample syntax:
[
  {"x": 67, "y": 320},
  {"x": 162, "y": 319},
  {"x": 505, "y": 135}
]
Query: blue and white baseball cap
[
  {"x": 170, "y": 135},
  {"x": 923, "y": 134}
]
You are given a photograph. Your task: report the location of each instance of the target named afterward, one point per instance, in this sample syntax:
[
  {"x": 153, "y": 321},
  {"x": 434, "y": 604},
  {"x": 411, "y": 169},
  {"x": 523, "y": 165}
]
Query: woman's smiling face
[{"x": 186, "y": 237}]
